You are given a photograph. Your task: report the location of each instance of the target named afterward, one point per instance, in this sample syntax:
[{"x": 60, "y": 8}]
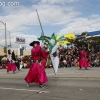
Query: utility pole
[
  {"x": 5, "y": 37},
  {"x": 9, "y": 40}
]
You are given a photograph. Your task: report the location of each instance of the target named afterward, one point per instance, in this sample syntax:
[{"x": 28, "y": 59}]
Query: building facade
[{"x": 25, "y": 53}]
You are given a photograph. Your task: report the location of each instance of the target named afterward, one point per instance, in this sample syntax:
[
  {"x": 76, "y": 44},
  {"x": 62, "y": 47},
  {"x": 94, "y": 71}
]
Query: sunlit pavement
[
  {"x": 73, "y": 72},
  {"x": 70, "y": 84}
]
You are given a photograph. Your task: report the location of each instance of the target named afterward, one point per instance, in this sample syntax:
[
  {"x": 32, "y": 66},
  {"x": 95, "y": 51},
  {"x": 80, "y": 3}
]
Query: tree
[
  {"x": 84, "y": 33},
  {"x": 83, "y": 39}
]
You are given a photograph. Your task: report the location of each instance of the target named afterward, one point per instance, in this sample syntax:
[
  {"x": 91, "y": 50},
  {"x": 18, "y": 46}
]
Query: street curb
[{"x": 20, "y": 77}]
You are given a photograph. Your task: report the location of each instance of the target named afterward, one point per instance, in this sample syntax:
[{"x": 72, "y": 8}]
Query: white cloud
[
  {"x": 18, "y": 19},
  {"x": 80, "y": 25},
  {"x": 56, "y": 14},
  {"x": 18, "y": 22},
  {"x": 58, "y": 1},
  {"x": 28, "y": 39},
  {"x": 51, "y": 12}
]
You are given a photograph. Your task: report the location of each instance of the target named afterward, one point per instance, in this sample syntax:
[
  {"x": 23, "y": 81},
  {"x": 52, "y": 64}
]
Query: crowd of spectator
[
  {"x": 68, "y": 57},
  {"x": 23, "y": 62}
]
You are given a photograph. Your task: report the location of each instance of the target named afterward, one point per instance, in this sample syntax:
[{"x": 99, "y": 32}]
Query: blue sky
[{"x": 58, "y": 16}]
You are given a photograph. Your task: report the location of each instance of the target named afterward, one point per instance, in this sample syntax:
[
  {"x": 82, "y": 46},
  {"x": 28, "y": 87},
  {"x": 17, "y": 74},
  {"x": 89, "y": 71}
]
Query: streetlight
[
  {"x": 5, "y": 36},
  {"x": 9, "y": 38}
]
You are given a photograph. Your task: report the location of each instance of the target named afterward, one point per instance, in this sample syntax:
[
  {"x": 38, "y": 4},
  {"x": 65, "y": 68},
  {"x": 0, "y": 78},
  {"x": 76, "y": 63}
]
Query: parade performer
[
  {"x": 37, "y": 72},
  {"x": 18, "y": 61},
  {"x": 83, "y": 60},
  {"x": 11, "y": 65}
]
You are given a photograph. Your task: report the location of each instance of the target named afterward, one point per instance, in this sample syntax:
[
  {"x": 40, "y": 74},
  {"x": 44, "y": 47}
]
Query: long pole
[
  {"x": 40, "y": 22},
  {"x": 5, "y": 37},
  {"x": 9, "y": 36},
  {"x": 10, "y": 40},
  {"x": 44, "y": 38}
]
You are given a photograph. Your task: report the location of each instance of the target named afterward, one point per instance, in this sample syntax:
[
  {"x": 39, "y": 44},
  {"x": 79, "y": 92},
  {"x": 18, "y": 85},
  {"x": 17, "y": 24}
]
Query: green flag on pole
[{"x": 52, "y": 44}]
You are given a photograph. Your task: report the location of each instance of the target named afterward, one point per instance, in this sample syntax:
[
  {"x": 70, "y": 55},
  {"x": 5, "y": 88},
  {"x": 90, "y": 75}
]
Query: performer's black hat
[{"x": 32, "y": 43}]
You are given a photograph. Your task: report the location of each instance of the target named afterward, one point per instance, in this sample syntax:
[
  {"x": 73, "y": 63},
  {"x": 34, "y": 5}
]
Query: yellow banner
[{"x": 63, "y": 38}]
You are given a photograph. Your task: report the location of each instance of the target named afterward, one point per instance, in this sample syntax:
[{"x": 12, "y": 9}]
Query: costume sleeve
[{"x": 44, "y": 54}]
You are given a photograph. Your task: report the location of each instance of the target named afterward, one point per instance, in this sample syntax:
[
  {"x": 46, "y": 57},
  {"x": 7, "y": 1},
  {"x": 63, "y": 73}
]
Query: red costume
[
  {"x": 11, "y": 67},
  {"x": 83, "y": 61},
  {"x": 37, "y": 72}
]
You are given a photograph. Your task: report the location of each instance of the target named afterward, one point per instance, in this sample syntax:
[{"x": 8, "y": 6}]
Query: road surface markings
[
  {"x": 54, "y": 74},
  {"x": 38, "y": 91},
  {"x": 57, "y": 74}
]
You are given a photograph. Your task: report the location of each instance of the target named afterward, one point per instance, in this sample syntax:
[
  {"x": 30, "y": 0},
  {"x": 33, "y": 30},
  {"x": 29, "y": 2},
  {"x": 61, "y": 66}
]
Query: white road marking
[
  {"x": 24, "y": 90},
  {"x": 62, "y": 73},
  {"x": 57, "y": 74}
]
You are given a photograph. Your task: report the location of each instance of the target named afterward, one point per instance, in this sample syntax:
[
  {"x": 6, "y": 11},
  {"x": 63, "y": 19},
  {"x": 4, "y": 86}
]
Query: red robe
[
  {"x": 11, "y": 67},
  {"x": 83, "y": 62},
  {"x": 37, "y": 72}
]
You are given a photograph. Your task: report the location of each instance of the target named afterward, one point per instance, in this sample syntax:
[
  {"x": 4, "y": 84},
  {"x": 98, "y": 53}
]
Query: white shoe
[
  {"x": 27, "y": 85},
  {"x": 42, "y": 86}
]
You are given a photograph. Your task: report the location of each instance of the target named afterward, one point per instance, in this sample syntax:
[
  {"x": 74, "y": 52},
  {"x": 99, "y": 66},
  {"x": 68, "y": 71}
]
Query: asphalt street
[
  {"x": 55, "y": 89},
  {"x": 70, "y": 84}
]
